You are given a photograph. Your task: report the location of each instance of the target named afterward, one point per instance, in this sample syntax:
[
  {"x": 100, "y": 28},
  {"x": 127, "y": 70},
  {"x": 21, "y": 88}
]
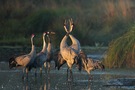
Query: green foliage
[
  {"x": 39, "y": 21},
  {"x": 94, "y": 21},
  {"x": 14, "y": 41},
  {"x": 121, "y": 52}
]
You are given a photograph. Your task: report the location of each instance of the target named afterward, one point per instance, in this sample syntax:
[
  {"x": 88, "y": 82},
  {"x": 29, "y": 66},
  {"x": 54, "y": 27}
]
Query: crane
[
  {"x": 49, "y": 51},
  {"x": 41, "y": 57},
  {"x": 88, "y": 64},
  {"x": 24, "y": 60},
  {"x": 70, "y": 53},
  {"x": 44, "y": 56}
]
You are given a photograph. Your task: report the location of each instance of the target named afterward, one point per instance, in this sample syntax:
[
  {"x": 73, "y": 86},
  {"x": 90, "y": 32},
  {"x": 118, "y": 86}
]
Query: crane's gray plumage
[
  {"x": 41, "y": 57},
  {"x": 24, "y": 60},
  {"x": 75, "y": 44},
  {"x": 88, "y": 64},
  {"x": 49, "y": 51},
  {"x": 70, "y": 53},
  {"x": 45, "y": 55}
]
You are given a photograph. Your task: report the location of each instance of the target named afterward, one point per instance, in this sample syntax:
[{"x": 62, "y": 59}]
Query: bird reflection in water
[
  {"x": 41, "y": 83},
  {"x": 26, "y": 86},
  {"x": 89, "y": 85},
  {"x": 69, "y": 85},
  {"x": 45, "y": 83}
]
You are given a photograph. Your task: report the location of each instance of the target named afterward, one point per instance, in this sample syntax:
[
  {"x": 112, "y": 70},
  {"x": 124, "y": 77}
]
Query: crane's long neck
[
  {"x": 63, "y": 43},
  {"x": 49, "y": 48},
  {"x": 32, "y": 48},
  {"x": 44, "y": 45},
  {"x": 75, "y": 43}
]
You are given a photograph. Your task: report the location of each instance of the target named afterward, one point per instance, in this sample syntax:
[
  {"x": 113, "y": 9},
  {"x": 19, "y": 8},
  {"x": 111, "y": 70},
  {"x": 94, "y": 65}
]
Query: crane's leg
[
  {"x": 89, "y": 80},
  {"x": 89, "y": 85},
  {"x": 45, "y": 66},
  {"x": 35, "y": 72},
  {"x": 90, "y": 77},
  {"x": 49, "y": 67},
  {"x": 27, "y": 73},
  {"x": 23, "y": 73},
  {"x": 48, "y": 70},
  {"x": 49, "y": 87},
  {"x": 40, "y": 71},
  {"x": 47, "y": 84},
  {"x": 71, "y": 75},
  {"x": 67, "y": 74}
]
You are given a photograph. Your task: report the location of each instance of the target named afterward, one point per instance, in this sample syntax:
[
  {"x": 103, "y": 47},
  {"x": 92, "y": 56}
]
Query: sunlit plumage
[
  {"x": 88, "y": 64},
  {"x": 24, "y": 60},
  {"x": 70, "y": 53}
]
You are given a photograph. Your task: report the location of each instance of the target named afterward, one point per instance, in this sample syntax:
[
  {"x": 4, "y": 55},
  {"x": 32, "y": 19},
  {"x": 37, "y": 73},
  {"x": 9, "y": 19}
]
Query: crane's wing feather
[
  {"x": 23, "y": 60},
  {"x": 40, "y": 59}
]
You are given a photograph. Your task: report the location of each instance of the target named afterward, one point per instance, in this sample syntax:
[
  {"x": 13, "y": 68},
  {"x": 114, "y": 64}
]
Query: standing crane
[
  {"x": 45, "y": 55},
  {"x": 41, "y": 57},
  {"x": 49, "y": 51},
  {"x": 24, "y": 60},
  {"x": 70, "y": 53},
  {"x": 86, "y": 63},
  {"x": 75, "y": 43}
]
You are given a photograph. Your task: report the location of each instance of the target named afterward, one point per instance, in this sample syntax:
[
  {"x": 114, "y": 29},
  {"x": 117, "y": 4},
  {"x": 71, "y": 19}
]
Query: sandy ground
[{"x": 56, "y": 80}]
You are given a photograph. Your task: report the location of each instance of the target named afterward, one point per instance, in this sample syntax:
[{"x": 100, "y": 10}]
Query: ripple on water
[{"x": 125, "y": 83}]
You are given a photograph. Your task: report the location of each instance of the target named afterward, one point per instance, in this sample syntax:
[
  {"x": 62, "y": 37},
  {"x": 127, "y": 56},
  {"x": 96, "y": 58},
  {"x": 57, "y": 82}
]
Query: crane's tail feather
[
  {"x": 12, "y": 62},
  {"x": 78, "y": 62}
]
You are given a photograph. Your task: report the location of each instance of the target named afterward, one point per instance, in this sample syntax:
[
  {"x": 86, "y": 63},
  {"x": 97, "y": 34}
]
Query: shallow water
[{"x": 56, "y": 80}]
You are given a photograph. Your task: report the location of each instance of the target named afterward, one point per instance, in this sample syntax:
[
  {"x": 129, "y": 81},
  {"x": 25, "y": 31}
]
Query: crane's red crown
[{"x": 32, "y": 35}]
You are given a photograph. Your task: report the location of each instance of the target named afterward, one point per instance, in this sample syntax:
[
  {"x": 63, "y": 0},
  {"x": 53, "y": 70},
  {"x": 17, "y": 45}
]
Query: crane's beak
[{"x": 52, "y": 32}]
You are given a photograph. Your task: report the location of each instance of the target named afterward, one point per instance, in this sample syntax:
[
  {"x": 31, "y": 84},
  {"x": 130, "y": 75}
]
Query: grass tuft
[{"x": 121, "y": 52}]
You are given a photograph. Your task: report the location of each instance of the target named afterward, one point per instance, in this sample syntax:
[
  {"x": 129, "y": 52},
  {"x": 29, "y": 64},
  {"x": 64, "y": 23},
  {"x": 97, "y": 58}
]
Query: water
[
  {"x": 56, "y": 80},
  {"x": 96, "y": 56}
]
